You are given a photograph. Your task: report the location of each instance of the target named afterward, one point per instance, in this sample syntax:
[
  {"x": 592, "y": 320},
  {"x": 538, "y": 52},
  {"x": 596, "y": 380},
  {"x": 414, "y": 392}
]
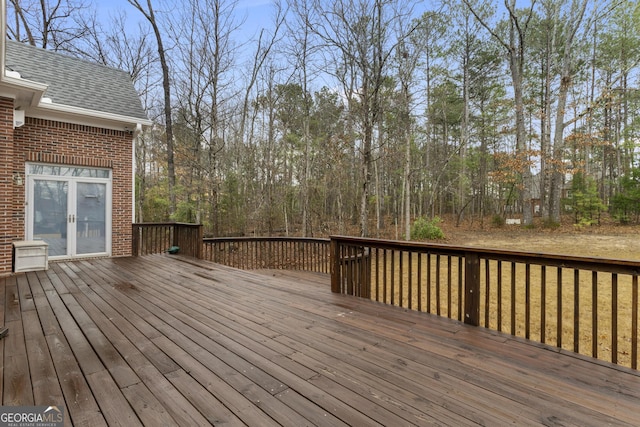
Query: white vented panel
[{"x": 30, "y": 255}]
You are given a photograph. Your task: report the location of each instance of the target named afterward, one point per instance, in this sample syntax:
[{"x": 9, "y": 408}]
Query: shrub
[
  {"x": 497, "y": 221},
  {"x": 549, "y": 223},
  {"x": 425, "y": 229},
  {"x": 586, "y": 203}
]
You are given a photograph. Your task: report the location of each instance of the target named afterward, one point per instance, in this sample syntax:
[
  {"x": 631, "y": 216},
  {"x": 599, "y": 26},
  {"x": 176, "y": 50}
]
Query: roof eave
[
  {"x": 29, "y": 96},
  {"x": 87, "y": 117},
  {"x": 26, "y": 93}
]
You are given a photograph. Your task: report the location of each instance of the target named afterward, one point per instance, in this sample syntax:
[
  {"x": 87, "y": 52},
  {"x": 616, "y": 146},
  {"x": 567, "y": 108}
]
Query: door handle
[{"x": 72, "y": 218}]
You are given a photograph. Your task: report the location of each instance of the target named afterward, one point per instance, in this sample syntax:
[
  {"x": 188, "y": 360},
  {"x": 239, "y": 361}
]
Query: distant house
[{"x": 67, "y": 128}]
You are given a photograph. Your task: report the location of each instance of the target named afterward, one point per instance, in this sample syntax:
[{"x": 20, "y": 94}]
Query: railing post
[
  {"x": 472, "y": 289},
  {"x": 334, "y": 257},
  {"x": 176, "y": 236},
  {"x": 365, "y": 273},
  {"x": 135, "y": 240},
  {"x": 199, "y": 249}
]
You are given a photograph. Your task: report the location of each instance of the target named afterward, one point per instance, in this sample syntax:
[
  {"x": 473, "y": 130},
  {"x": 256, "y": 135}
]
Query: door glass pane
[
  {"x": 50, "y": 214},
  {"x": 39, "y": 169},
  {"x": 91, "y": 218}
]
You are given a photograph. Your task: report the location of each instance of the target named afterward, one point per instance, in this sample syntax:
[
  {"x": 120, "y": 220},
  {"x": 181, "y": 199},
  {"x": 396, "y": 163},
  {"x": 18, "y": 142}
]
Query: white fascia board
[
  {"x": 26, "y": 93},
  {"x": 20, "y": 83},
  {"x": 81, "y": 116}
]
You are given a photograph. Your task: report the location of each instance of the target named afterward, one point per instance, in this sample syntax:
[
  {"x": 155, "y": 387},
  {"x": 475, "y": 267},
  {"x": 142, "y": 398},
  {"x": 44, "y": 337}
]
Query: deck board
[{"x": 165, "y": 340}]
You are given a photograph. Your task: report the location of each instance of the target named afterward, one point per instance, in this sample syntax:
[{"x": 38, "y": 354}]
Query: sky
[{"x": 255, "y": 14}]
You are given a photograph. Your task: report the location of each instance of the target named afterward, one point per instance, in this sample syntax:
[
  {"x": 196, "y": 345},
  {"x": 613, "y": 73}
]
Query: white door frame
[{"x": 72, "y": 179}]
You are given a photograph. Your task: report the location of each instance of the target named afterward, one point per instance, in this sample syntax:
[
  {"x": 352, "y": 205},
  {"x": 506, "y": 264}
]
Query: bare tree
[
  {"x": 302, "y": 50},
  {"x": 113, "y": 44},
  {"x": 407, "y": 56},
  {"x": 150, "y": 16},
  {"x": 514, "y": 46},
  {"x": 133, "y": 52},
  {"x": 205, "y": 29},
  {"x": 264, "y": 44},
  {"x": 55, "y": 25},
  {"x": 358, "y": 36},
  {"x": 573, "y": 22}
]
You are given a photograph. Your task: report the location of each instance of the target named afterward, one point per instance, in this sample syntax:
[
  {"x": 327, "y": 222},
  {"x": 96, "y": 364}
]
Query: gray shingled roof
[{"x": 75, "y": 82}]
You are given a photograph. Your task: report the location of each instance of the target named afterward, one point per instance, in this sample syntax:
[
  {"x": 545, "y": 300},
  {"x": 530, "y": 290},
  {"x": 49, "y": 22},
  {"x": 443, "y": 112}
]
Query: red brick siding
[
  {"x": 7, "y": 188},
  {"x": 54, "y": 142}
]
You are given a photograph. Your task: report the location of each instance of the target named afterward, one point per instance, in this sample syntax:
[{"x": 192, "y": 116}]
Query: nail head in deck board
[
  {"x": 373, "y": 407},
  {"x": 316, "y": 415}
]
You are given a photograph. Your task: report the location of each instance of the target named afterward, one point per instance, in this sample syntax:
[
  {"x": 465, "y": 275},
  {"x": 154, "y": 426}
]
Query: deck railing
[
  {"x": 286, "y": 253},
  {"x": 585, "y": 305},
  {"x": 153, "y": 238}
]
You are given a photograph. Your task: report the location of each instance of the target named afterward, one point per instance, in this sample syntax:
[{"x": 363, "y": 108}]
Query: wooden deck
[{"x": 160, "y": 340}]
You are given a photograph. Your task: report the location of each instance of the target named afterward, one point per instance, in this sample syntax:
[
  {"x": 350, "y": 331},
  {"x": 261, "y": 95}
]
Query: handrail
[
  {"x": 525, "y": 294},
  {"x": 288, "y": 253},
  {"x": 158, "y": 237}
]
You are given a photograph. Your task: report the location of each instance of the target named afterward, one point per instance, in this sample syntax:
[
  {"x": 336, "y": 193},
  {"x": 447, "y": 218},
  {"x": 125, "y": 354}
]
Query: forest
[{"x": 342, "y": 115}]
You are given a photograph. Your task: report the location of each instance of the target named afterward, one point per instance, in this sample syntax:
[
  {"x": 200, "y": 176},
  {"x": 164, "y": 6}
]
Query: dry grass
[{"x": 594, "y": 321}]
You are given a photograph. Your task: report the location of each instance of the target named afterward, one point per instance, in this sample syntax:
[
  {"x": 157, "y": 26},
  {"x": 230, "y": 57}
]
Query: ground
[{"x": 607, "y": 240}]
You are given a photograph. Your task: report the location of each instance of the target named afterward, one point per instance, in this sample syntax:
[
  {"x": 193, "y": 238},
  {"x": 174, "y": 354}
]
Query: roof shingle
[{"x": 75, "y": 82}]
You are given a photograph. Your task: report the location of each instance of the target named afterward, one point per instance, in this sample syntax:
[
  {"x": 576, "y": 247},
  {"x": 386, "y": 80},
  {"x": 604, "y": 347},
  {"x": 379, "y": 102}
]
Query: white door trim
[{"x": 73, "y": 177}]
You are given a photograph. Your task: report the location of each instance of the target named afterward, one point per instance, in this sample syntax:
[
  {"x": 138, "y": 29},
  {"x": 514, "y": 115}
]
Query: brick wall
[
  {"x": 7, "y": 188},
  {"x": 54, "y": 142}
]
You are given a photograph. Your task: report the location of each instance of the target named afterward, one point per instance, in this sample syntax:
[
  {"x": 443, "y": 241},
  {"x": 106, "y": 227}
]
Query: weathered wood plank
[
  {"x": 46, "y": 388},
  {"x": 17, "y": 382},
  {"x": 263, "y": 302},
  {"x": 24, "y": 293},
  {"x": 257, "y": 375},
  {"x": 205, "y": 401},
  {"x": 387, "y": 318},
  {"x": 83, "y": 409},
  {"x": 163, "y": 340},
  {"x": 150, "y": 411},
  {"x": 113, "y": 405},
  {"x": 104, "y": 349}
]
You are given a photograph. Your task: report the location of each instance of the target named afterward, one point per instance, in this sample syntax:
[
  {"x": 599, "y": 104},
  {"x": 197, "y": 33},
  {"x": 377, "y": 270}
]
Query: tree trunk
[
  {"x": 166, "y": 88},
  {"x": 565, "y": 84}
]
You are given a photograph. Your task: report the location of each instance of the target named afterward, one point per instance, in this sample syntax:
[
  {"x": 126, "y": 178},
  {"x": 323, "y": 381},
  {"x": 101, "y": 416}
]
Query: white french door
[{"x": 70, "y": 209}]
